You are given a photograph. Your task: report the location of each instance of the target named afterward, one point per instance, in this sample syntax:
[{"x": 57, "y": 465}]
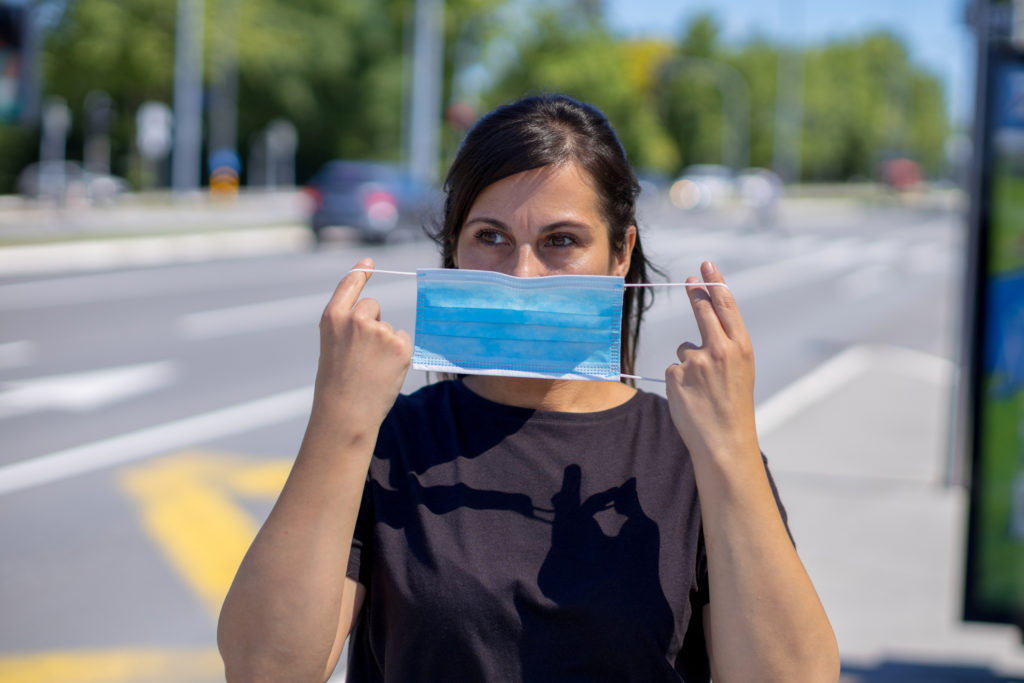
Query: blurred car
[
  {"x": 760, "y": 190},
  {"x": 379, "y": 201},
  {"x": 63, "y": 180},
  {"x": 653, "y": 187},
  {"x": 703, "y": 186},
  {"x": 758, "y": 187},
  {"x": 901, "y": 175}
]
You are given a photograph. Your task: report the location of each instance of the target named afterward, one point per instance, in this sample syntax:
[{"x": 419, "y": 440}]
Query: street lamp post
[
  {"x": 789, "y": 101},
  {"x": 224, "y": 75},
  {"x": 425, "y": 112},
  {"x": 188, "y": 96}
]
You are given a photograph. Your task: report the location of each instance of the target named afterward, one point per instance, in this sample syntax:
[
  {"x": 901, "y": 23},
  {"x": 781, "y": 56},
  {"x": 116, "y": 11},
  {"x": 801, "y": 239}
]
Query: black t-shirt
[{"x": 506, "y": 544}]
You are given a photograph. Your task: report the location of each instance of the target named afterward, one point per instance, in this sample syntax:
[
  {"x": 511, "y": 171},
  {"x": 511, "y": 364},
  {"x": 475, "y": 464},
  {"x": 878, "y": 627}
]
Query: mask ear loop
[
  {"x": 667, "y": 284},
  {"x": 674, "y": 284},
  {"x": 378, "y": 270},
  {"x": 627, "y": 284}
]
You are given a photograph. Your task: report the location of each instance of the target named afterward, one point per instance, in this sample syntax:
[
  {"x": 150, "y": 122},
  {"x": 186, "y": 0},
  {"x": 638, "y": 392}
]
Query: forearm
[
  {"x": 281, "y": 615},
  {"x": 766, "y": 621}
]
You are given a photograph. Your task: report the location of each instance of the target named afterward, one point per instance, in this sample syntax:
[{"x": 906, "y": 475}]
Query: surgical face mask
[
  {"x": 485, "y": 323},
  {"x": 478, "y": 322}
]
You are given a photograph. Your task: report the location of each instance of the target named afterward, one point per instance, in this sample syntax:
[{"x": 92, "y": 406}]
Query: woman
[{"x": 507, "y": 528}]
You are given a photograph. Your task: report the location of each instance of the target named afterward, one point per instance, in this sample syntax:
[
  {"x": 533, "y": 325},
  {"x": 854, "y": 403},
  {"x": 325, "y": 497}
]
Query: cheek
[{"x": 468, "y": 254}]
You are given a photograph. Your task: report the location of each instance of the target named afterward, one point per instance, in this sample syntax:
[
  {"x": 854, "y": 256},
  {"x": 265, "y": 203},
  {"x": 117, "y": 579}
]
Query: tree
[
  {"x": 689, "y": 99},
  {"x": 336, "y": 70},
  {"x": 864, "y": 102},
  {"x": 571, "y": 51}
]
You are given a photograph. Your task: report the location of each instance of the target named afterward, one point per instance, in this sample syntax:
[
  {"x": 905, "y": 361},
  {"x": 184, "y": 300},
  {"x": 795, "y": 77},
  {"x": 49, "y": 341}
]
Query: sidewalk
[
  {"x": 148, "y": 229},
  {"x": 880, "y": 532}
]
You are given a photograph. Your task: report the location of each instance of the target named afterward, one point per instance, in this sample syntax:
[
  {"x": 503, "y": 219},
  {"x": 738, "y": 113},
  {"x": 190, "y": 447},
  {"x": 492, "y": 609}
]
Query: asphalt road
[{"x": 148, "y": 416}]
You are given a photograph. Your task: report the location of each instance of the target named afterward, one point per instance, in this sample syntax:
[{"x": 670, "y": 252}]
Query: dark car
[{"x": 379, "y": 201}]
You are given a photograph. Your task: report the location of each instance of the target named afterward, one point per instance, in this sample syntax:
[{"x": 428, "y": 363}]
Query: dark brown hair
[{"x": 543, "y": 131}]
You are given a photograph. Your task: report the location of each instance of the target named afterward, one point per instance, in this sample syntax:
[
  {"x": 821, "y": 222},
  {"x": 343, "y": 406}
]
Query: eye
[
  {"x": 491, "y": 237},
  {"x": 561, "y": 240}
]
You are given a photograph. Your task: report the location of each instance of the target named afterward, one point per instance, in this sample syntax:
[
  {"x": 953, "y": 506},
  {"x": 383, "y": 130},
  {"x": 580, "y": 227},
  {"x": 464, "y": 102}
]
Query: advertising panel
[{"x": 995, "y": 557}]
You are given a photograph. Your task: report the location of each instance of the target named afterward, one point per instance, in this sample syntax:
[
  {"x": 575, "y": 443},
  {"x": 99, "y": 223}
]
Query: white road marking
[
  {"x": 152, "y": 441},
  {"x": 17, "y": 354},
  {"x": 272, "y": 315},
  {"x": 83, "y": 391},
  {"x": 805, "y": 392},
  {"x": 266, "y": 315},
  {"x": 791, "y": 273},
  {"x": 867, "y": 281},
  {"x": 794, "y": 272},
  {"x": 837, "y": 372}
]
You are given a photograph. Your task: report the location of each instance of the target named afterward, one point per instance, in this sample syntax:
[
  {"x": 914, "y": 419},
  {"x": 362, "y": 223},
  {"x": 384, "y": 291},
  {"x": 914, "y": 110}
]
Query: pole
[
  {"x": 99, "y": 114},
  {"x": 56, "y": 122},
  {"x": 425, "y": 112},
  {"x": 188, "y": 97},
  {"x": 958, "y": 455},
  {"x": 30, "y": 73},
  {"x": 789, "y": 102},
  {"x": 224, "y": 76}
]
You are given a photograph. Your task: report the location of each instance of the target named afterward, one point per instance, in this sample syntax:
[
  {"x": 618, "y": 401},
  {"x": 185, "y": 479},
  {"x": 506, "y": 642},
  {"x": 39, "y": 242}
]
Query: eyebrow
[{"x": 550, "y": 227}]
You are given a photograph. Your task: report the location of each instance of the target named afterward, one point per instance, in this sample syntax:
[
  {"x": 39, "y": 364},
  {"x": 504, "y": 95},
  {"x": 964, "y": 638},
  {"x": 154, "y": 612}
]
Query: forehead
[{"x": 563, "y": 189}]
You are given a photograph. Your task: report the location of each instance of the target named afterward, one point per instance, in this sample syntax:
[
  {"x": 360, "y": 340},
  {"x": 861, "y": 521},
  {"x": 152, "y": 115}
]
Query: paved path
[{"x": 880, "y": 532}]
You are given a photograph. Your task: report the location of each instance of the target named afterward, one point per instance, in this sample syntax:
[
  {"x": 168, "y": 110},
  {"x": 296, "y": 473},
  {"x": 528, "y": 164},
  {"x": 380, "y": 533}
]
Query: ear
[{"x": 621, "y": 258}]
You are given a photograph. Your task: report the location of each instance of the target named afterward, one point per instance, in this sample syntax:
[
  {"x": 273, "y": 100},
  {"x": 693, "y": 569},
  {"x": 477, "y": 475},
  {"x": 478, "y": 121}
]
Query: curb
[{"x": 97, "y": 254}]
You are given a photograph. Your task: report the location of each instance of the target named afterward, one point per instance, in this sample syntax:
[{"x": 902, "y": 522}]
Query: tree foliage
[{"x": 339, "y": 72}]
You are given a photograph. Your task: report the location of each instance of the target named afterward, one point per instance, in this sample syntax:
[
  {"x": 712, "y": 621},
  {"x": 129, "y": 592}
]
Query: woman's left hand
[{"x": 711, "y": 390}]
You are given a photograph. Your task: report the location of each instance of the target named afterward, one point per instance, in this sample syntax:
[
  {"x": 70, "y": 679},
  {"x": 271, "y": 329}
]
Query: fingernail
[{"x": 707, "y": 268}]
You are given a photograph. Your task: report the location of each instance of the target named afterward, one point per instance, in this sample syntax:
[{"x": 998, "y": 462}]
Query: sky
[{"x": 934, "y": 30}]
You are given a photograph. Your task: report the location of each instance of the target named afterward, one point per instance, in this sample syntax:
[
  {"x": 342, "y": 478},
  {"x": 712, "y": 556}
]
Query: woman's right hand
[
  {"x": 291, "y": 606},
  {"x": 363, "y": 360}
]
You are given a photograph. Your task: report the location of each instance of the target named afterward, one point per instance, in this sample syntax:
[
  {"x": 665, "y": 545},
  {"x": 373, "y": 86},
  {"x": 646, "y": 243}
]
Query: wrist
[{"x": 728, "y": 467}]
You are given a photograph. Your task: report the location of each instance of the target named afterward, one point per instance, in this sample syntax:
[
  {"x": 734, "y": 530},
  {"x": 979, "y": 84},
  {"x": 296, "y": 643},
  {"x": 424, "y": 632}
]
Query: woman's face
[{"x": 541, "y": 222}]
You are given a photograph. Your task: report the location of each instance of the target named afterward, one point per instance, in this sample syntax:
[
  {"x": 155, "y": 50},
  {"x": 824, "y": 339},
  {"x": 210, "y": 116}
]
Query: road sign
[{"x": 153, "y": 128}]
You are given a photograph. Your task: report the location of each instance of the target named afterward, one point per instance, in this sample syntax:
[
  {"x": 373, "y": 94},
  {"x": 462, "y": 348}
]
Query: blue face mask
[
  {"x": 479, "y": 322},
  {"x": 486, "y": 323}
]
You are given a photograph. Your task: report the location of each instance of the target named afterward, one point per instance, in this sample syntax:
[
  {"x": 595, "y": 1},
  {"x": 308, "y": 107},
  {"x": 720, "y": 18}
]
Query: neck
[{"x": 567, "y": 396}]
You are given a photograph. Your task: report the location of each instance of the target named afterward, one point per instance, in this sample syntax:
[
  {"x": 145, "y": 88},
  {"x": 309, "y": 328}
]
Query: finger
[
  {"x": 684, "y": 349},
  {"x": 704, "y": 312},
  {"x": 348, "y": 290},
  {"x": 723, "y": 301},
  {"x": 366, "y": 309},
  {"x": 673, "y": 375}
]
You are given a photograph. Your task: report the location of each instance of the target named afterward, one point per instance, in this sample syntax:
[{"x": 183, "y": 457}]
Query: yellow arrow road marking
[
  {"x": 189, "y": 507},
  {"x": 114, "y": 666},
  {"x": 187, "y": 504}
]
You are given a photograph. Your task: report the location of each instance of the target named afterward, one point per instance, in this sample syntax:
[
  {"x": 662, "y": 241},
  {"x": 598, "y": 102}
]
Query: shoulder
[
  {"x": 426, "y": 397},
  {"x": 426, "y": 405},
  {"x": 653, "y": 413}
]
